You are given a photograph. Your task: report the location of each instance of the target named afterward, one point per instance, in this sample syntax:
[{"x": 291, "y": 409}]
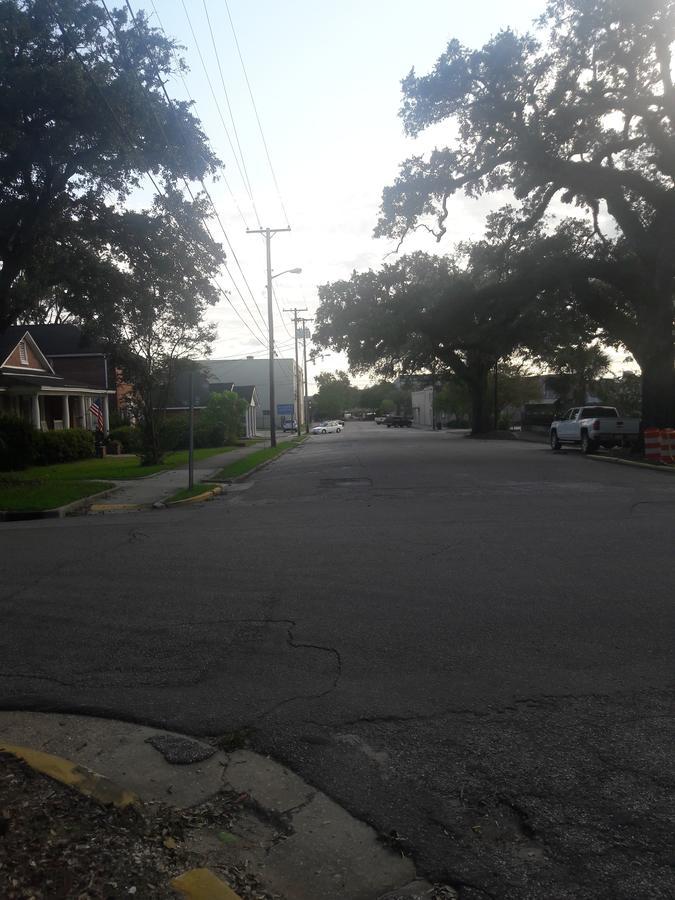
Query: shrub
[
  {"x": 16, "y": 443},
  {"x": 62, "y": 446},
  {"x": 224, "y": 410},
  {"x": 209, "y": 434},
  {"x": 129, "y": 437},
  {"x": 175, "y": 433}
]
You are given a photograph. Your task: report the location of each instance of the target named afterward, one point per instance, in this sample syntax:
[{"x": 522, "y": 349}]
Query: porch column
[
  {"x": 106, "y": 415},
  {"x": 36, "y": 413},
  {"x": 66, "y": 411},
  {"x": 83, "y": 412}
]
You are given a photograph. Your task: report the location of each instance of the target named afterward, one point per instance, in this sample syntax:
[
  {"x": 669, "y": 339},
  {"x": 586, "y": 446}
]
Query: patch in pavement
[
  {"x": 180, "y": 751},
  {"x": 346, "y": 481}
]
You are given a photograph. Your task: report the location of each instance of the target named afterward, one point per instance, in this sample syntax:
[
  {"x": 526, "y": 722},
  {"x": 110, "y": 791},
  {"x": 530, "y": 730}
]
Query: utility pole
[
  {"x": 298, "y": 388},
  {"x": 268, "y": 233},
  {"x": 304, "y": 369},
  {"x": 191, "y": 438}
]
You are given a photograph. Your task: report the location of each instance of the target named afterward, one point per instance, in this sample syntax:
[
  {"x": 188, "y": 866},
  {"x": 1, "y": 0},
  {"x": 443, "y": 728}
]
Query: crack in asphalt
[
  {"x": 313, "y": 696},
  {"x": 202, "y": 673}
]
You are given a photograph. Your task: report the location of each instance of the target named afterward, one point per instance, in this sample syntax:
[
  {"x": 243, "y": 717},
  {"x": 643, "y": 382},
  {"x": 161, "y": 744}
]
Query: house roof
[
  {"x": 246, "y": 392},
  {"x": 53, "y": 340},
  {"x": 21, "y": 380}
]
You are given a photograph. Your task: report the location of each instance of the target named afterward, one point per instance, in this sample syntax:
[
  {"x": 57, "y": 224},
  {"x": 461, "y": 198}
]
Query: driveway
[{"x": 467, "y": 643}]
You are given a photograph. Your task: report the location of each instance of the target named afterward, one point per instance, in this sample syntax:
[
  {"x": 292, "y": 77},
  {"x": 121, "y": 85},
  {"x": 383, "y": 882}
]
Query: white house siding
[{"x": 422, "y": 407}]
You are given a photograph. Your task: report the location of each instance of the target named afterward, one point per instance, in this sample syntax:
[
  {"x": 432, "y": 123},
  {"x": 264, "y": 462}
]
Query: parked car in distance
[
  {"x": 380, "y": 420},
  {"x": 592, "y": 427},
  {"x": 289, "y": 425},
  {"x": 398, "y": 422},
  {"x": 327, "y": 428}
]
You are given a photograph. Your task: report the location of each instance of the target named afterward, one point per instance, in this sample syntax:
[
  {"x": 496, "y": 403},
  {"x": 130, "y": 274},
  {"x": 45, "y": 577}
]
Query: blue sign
[{"x": 285, "y": 409}]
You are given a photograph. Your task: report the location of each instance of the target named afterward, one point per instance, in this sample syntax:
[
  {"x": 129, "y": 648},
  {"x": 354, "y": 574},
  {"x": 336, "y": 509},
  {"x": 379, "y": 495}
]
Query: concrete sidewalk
[
  {"x": 139, "y": 493},
  {"x": 251, "y": 822}
]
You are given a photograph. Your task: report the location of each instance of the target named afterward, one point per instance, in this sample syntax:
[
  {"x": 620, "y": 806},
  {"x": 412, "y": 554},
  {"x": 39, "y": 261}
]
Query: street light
[{"x": 296, "y": 271}]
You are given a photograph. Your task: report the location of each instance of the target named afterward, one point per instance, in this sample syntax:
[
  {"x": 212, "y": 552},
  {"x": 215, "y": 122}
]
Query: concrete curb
[
  {"x": 58, "y": 512},
  {"x": 235, "y": 479},
  {"x": 89, "y": 783},
  {"x": 202, "y": 884},
  {"x": 665, "y": 470},
  {"x": 293, "y": 839},
  {"x": 196, "y": 884},
  {"x": 205, "y": 495}
]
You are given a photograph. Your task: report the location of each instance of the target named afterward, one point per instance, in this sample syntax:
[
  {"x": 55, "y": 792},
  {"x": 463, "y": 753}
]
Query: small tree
[
  {"x": 223, "y": 414},
  {"x": 168, "y": 261}
]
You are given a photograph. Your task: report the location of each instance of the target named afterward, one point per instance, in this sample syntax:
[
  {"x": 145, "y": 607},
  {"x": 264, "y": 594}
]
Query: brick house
[{"x": 51, "y": 375}]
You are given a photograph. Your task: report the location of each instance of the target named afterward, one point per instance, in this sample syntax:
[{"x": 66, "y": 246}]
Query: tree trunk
[
  {"x": 477, "y": 381},
  {"x": 657, "y": 362}
]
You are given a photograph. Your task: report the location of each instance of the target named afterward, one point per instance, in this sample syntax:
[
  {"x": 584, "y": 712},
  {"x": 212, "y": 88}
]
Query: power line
[
  {"x": 283, "y": 319},
  {"x": 131, "y": 144},
  {"x": 241, "y": 165},
  {"x": 255, "y": 109},
  {"x": 229, "y": 108},
  {"x": 201, "y": 180},
  {"x": 194, "y": 103}
]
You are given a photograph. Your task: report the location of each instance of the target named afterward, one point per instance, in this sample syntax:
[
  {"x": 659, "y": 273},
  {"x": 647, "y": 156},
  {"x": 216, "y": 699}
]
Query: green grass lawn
[
  {"x": 241, "y": 466},
  {"x": 32, "y": 495},
  {"x": 116, "y": 468}
]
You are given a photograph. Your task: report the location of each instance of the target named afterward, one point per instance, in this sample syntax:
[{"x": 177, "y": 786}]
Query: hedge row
[
  {"x": 175, "y": 435},
  {"x": 21, "y": 445}
]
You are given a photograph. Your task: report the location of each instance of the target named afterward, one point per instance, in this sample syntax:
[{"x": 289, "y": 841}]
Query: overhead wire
[
  {"x": 229, "y": 108},
  {"x": 241, "y": 163},
  {"x": 194, "y": 103},
  {"x": 124, "y": 132},
  {"x": 255, "y": 110},
  {"x": 203, "y": 186}
]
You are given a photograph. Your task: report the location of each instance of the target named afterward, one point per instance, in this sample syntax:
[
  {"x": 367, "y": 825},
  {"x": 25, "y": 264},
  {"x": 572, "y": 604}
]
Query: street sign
[{"x": 285, "y": 409}]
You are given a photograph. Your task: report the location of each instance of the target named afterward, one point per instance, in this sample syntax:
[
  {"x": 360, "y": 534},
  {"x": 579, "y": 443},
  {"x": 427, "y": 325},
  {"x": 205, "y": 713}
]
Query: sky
[{"x": 325, "y": 81}]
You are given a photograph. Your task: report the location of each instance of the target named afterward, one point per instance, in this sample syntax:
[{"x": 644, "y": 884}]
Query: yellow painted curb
[
  {"x": 210, "y": 493},
  {"x": 83, "y": 780},
  {"x": 202, "y": 884}
]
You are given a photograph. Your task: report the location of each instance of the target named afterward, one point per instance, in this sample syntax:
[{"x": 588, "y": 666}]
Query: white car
[{"x": 327, "y": 428}]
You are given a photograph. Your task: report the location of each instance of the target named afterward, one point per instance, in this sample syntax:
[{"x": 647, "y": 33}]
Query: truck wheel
[
  {"x": 555, "y": 443},
  {"x": 587, "y": 445}
]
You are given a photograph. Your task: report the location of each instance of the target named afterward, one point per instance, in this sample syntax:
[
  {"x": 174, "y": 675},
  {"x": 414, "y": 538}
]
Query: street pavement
[{"x": 466, "y": 643}]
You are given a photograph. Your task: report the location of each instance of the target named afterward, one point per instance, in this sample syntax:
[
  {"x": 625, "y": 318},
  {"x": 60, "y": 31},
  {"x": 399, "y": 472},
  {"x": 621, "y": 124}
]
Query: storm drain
[{"x": 346, "y": 482}]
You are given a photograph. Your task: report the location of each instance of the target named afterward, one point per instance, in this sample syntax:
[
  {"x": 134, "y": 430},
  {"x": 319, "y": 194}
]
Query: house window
[{"x": 23, "y": 353}]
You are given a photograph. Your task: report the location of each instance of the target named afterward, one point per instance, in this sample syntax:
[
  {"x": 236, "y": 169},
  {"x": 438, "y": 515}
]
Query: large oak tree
[
  {"x": 83, "y": 115},
  {"x": 585, "y": 114}
]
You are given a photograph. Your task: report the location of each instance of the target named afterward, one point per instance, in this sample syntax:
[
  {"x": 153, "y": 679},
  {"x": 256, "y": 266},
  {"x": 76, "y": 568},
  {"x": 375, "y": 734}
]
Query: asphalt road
[{"x": 467, "y": 643}]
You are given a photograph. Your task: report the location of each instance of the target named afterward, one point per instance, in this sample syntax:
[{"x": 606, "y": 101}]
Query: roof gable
[{"x": 24, "y": 355}]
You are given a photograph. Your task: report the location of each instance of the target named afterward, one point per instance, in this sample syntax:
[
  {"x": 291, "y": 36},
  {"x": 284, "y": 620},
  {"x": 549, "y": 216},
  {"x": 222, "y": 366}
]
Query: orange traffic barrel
[
  {"x": 667, "y": 445},
  {"x": 653, "y": 444}
]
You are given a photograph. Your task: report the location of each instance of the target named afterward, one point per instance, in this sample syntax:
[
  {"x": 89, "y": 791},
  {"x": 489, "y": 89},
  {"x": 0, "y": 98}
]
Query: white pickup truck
[{"x": 593, "y": 427}]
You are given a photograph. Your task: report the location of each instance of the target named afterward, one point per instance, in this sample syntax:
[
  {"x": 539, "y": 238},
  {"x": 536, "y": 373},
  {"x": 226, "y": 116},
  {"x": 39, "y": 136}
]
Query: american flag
[{"x": 97, "y": 413}]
